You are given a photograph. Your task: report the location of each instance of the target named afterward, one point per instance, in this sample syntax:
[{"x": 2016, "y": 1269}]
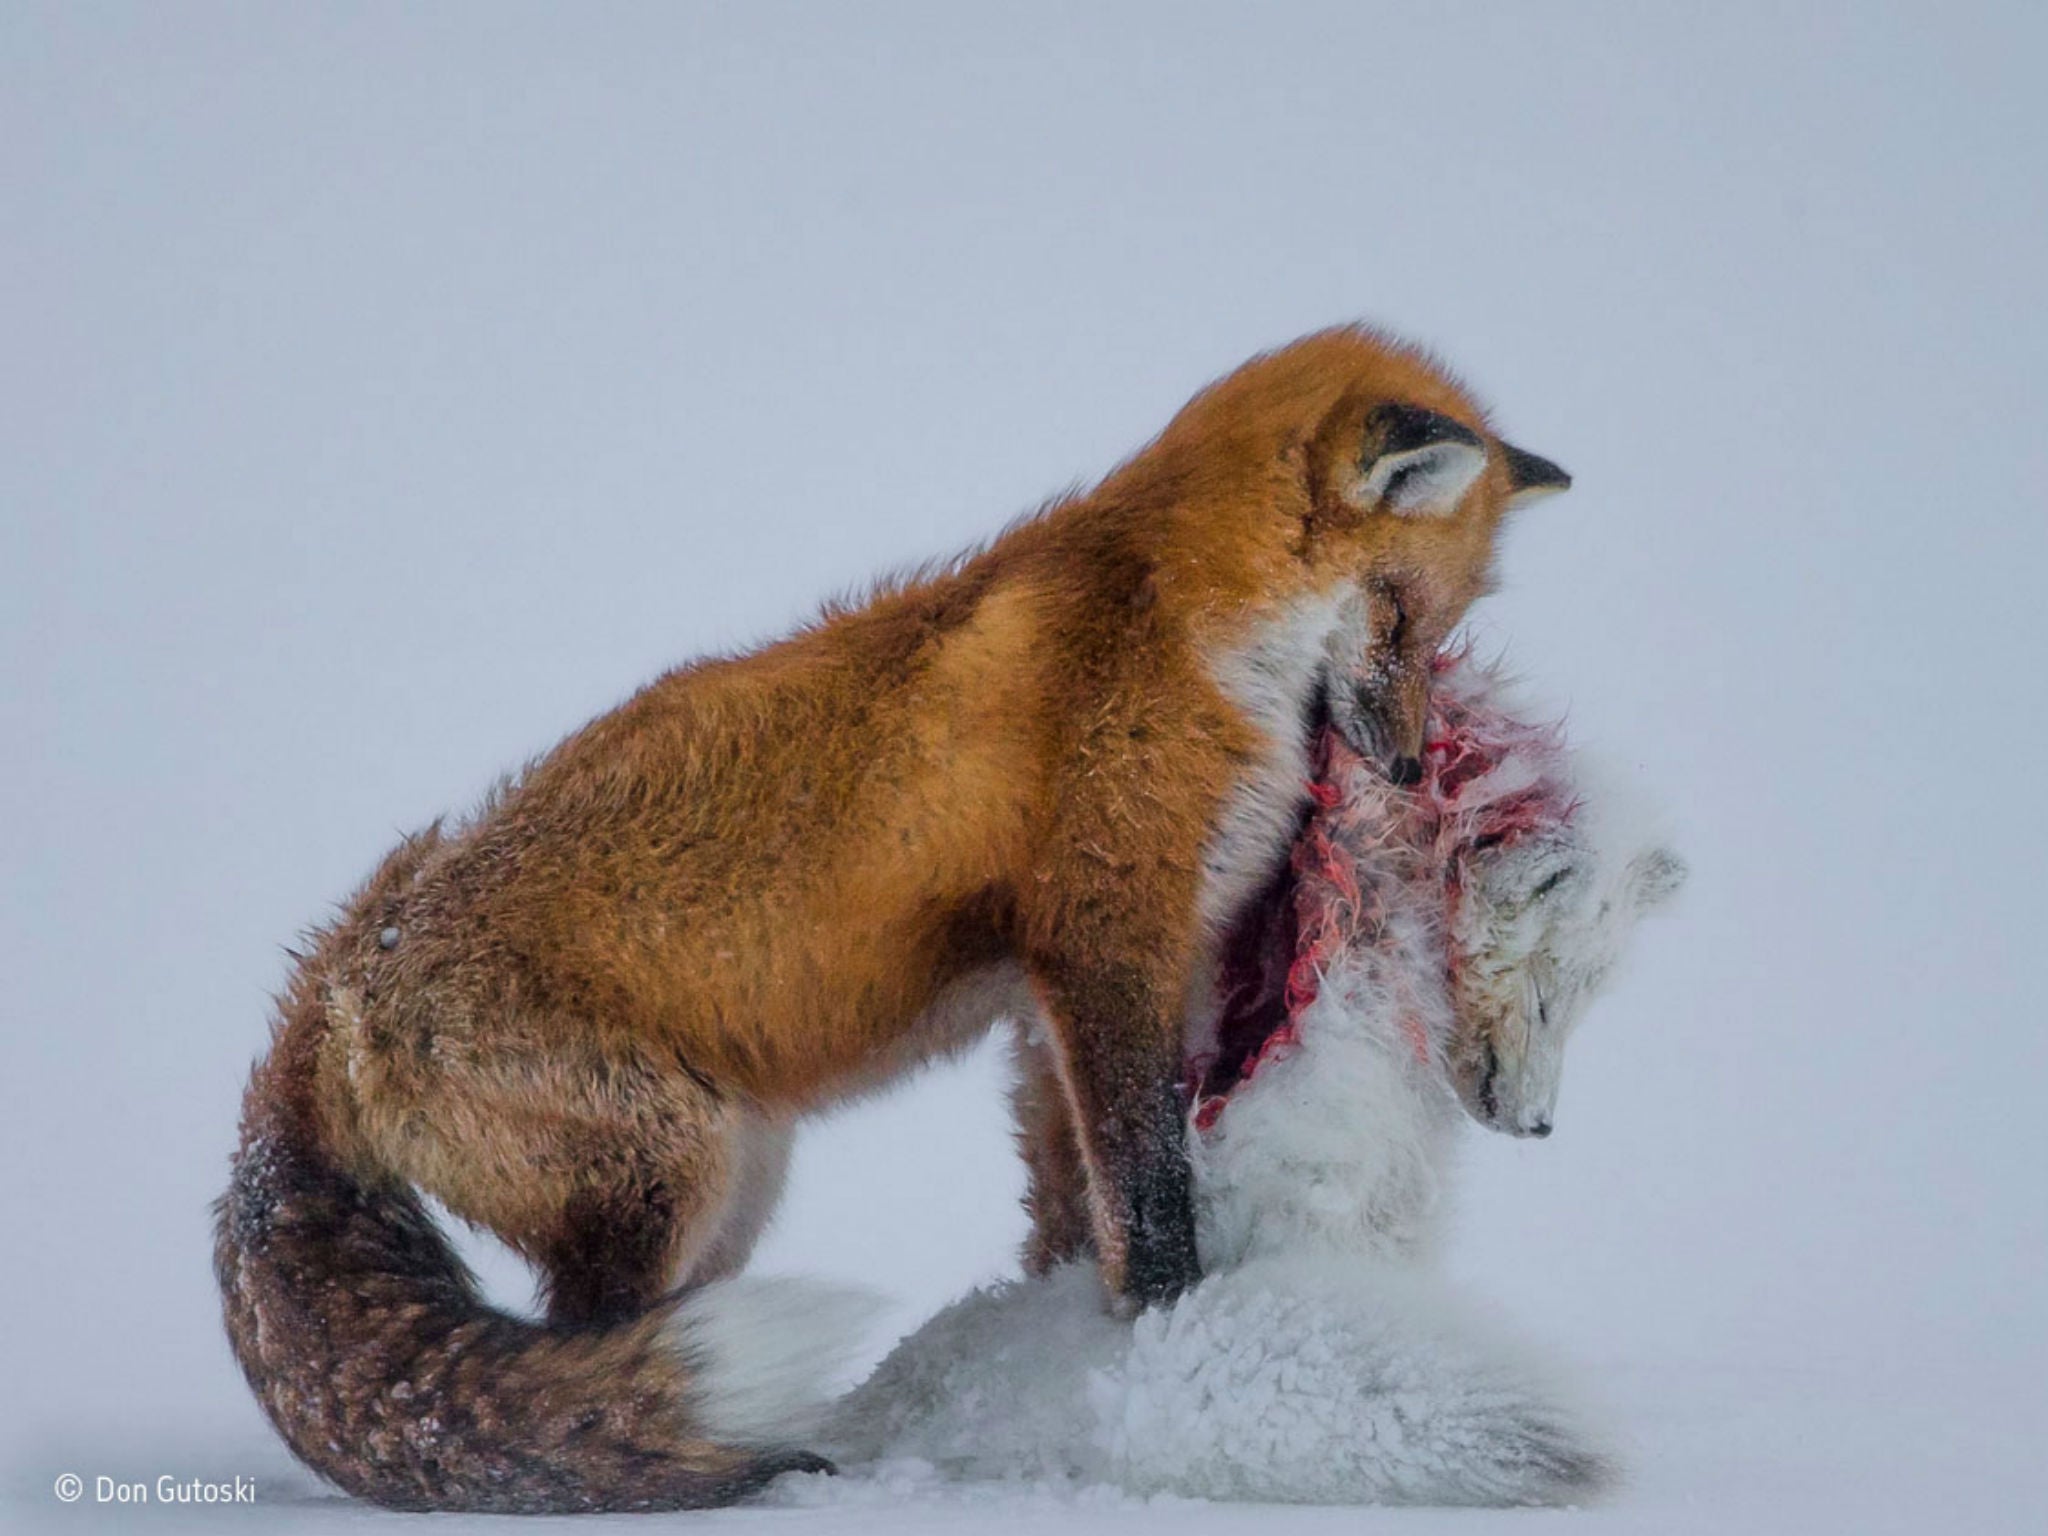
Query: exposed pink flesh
[{"x": 1365, "y": 847}]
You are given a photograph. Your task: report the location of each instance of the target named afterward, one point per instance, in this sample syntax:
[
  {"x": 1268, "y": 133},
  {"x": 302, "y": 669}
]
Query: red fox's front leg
[
  {"x": 1116, "y": 1026},
  {"x": 1056, "y": 1177}
]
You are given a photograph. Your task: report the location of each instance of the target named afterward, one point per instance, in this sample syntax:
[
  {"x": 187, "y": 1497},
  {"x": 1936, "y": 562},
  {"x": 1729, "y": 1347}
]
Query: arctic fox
[{"x": 1433, "y": 947}]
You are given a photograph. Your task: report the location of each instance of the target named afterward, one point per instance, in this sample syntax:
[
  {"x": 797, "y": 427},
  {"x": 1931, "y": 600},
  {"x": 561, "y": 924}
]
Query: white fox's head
[{"x": 1540, "y": 926}]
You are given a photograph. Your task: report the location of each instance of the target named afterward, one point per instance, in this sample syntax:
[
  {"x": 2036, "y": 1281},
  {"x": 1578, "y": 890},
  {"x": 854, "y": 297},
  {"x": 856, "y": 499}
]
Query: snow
[
  {"x": 391, "y": 392},
  {"x": 1710, "y": 1447}
]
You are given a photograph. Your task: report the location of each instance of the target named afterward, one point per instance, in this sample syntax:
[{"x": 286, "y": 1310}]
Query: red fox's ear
[
  {"x": 1532, "y": 476},
  {"x": 1417, "y": 463}
]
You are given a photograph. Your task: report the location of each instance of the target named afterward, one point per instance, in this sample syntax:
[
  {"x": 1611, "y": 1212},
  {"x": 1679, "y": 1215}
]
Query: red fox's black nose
[{"x": 1405, "y": 771}]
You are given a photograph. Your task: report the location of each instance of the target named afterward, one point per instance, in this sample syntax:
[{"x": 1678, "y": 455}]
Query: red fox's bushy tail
[{"x": 364, "y": 1338}]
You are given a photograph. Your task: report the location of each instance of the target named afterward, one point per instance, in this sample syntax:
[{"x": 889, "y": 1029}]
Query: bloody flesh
[{"x": 1364, "y": 845}]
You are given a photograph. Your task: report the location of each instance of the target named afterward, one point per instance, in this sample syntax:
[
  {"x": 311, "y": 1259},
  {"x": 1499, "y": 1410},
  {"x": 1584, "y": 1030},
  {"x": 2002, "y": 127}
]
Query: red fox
[{"x": 1040, "y": 783}]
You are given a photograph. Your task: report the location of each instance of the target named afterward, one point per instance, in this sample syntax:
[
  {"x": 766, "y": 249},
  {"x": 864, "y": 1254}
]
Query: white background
[{"x": 387, "y": 391}]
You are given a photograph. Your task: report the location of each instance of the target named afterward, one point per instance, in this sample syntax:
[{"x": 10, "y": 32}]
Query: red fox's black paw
[{"x": 1158, "y": 1273}]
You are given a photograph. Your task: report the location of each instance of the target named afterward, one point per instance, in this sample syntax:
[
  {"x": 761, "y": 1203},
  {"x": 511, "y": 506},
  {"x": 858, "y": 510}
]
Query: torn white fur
[{"x": 1339, "y": 1146}]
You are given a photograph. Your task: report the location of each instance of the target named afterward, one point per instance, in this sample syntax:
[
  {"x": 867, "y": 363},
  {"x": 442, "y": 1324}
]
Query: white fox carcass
[{"x": 1423, "y": 949}]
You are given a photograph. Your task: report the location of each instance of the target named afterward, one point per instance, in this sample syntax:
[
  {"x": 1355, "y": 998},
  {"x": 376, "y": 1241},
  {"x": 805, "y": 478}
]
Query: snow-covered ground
[
  {"x": 388, "y": 391},
  {"x": 1713, "y": 1447}
]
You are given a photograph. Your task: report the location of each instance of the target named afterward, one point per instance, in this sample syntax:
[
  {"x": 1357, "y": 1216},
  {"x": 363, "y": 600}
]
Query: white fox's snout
[{"x": 1521, "y": 1091}]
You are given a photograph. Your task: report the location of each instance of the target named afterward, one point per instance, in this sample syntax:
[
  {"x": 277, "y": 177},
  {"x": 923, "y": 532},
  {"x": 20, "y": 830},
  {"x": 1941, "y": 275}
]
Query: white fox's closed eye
[{"x": 1542, "y": 868}]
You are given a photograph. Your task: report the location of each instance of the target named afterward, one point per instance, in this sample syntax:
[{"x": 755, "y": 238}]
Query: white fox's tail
[{"x": 1307, "y": 1380}]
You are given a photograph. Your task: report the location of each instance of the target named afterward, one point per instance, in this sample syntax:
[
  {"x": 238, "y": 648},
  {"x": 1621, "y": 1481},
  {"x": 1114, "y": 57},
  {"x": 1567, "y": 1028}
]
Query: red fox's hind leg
[
  {"x": 629, "y": 1235},
  {"x": 614, "y": 1247},
  {"x": 760, "y": 1167},
  {"x": 610, "y": 1177}
]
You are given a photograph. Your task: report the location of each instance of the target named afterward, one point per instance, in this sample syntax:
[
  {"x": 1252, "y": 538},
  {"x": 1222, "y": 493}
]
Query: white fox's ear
[
  {"x": 1419, "y": 463},
  {"x": 1654, "y": 878}
]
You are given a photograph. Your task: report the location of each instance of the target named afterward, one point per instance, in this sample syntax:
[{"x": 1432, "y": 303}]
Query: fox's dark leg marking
[
  {"x": 612, "y": 1254},
  {"x": 1120, "y": 1058}
]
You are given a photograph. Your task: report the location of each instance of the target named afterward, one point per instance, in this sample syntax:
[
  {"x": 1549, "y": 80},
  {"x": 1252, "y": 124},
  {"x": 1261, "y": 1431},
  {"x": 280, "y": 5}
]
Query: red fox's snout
[{"x": 1385, "y": 720}]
